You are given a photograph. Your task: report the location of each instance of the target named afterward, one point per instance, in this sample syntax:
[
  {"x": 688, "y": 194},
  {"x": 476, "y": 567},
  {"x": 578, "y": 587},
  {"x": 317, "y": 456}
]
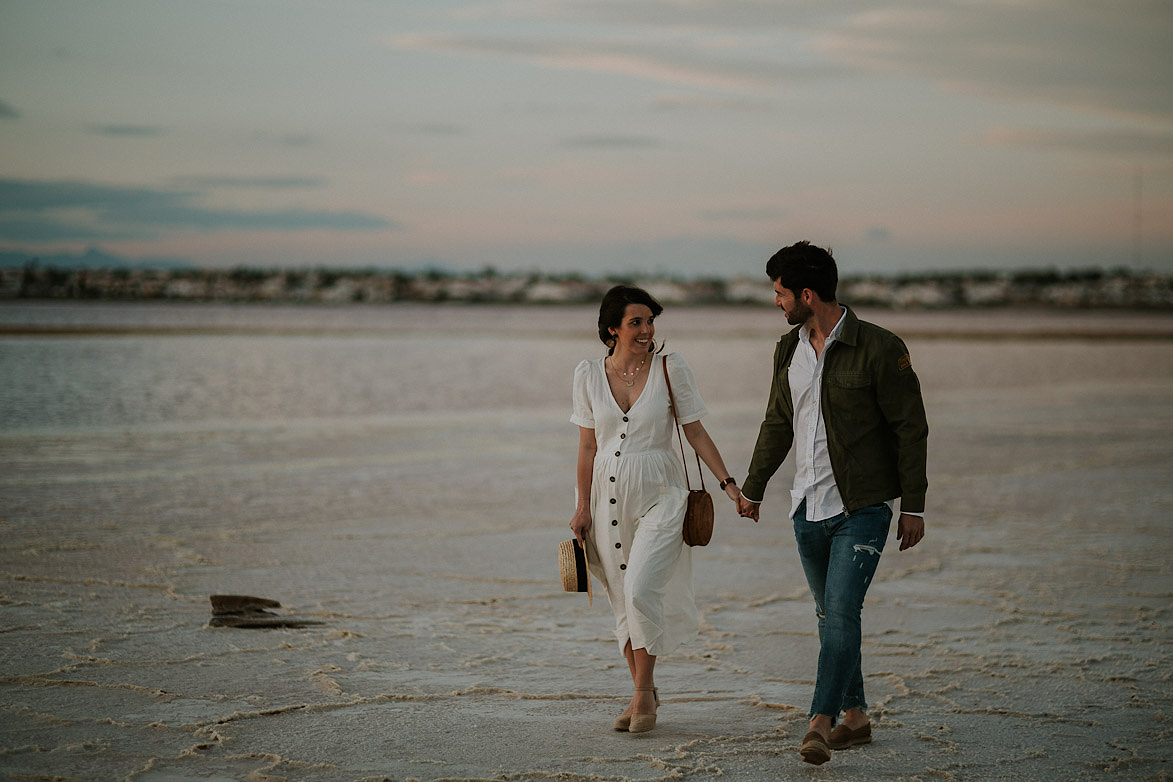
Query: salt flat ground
[{"x": 403, "y": 475}]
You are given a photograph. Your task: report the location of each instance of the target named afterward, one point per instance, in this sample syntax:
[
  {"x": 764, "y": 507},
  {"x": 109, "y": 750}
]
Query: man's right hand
[{"x": 747, "y": 509}]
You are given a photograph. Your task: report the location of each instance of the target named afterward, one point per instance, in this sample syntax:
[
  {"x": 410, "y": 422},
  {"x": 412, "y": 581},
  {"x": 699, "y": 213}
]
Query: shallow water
[{"x": 403, "y": 476}]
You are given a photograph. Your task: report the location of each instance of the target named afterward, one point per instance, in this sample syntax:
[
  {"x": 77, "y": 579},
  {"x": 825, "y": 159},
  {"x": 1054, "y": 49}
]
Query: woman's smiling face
[{"x": 636, "y": 330}]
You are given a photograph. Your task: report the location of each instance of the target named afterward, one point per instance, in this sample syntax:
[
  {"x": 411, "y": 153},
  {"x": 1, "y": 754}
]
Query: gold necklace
[{"x": 630, "y": 374}]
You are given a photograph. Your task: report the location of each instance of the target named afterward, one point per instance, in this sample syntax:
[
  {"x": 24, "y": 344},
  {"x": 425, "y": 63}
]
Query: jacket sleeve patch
[{"x": 904, "y": 362}]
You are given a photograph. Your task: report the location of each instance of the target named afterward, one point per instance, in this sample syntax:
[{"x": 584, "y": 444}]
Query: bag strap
[{"x": 672, "y": 403}]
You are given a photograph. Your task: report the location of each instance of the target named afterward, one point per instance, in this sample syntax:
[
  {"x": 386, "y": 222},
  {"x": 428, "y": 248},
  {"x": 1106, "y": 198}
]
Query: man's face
[{"x": 796, "y": 311}]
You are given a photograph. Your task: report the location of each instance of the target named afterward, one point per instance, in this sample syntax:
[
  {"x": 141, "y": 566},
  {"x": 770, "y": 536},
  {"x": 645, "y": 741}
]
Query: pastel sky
[{"x": 691, "y": 137}]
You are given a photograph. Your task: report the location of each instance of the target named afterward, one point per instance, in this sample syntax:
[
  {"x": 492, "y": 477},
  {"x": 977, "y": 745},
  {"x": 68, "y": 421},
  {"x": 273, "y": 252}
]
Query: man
[{"x": 844, "y": 394}]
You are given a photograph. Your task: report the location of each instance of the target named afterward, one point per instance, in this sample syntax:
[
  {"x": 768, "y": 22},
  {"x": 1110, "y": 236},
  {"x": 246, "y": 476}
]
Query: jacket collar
[{"x": 850, "y": 333}]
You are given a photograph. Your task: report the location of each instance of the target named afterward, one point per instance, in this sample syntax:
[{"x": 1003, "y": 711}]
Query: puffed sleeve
[
  {"x": 583, "y": 415},
  {"x": 689, "y": 405}
]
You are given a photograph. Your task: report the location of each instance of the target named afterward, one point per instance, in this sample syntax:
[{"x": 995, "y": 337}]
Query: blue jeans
[{"x": 839, "y": 556}]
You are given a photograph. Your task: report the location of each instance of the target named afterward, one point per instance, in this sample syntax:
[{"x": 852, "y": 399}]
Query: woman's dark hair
[
  {"x": 803, "y": 265},
  {"x": 614, "y": 307}
]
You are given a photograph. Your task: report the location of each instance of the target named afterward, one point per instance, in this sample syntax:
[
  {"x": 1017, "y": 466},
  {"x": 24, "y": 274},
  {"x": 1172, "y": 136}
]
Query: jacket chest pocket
[
  {"x": 847, "y": 380},
  {"x": 850, "y": 395}
]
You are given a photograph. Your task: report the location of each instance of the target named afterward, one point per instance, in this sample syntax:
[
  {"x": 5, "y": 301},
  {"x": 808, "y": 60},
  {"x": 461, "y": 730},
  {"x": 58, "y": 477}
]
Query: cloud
[
  {"x": 68, "y": 210},
  {"x": 7, "y": 111},
  {"x": 21, "y": 195},
  {"x": 260, "y": 182},
  {"x": 1109, "y": 58},
  {"x": 1128, "y": 143},
  {"x": 131, "y": 131},
  {"x": 1104, "y": 57},
  {"x": 39, "y": 228},
  {"x": 878, "y": 234},
  {"x": 613, "y": 142},
  {"x": 685, "y": 14},
  {"x": 682, "y": 102},
  {"x": 679, "y": 63}
]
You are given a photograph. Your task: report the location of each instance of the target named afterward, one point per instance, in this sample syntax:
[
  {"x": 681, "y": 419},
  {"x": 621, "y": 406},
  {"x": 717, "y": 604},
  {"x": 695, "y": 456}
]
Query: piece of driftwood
[{"x": 250, "y": 612}]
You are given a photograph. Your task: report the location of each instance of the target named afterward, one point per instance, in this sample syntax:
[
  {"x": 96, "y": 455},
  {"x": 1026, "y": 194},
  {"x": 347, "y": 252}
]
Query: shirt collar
[{"x": 804, "y": 331}]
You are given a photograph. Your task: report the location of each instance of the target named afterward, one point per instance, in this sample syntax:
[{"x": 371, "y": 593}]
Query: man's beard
[{"x": 799, "y": 314}]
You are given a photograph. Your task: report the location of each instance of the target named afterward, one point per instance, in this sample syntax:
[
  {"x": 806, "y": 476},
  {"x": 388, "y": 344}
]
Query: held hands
[
  {"x": 749, "y": 510},
  {"x": 745, "y": 508}
]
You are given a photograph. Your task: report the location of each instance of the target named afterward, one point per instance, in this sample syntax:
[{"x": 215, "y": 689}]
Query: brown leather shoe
[
  {"x": 843, "y": 737},
  {"x": 814, "y": 748}
]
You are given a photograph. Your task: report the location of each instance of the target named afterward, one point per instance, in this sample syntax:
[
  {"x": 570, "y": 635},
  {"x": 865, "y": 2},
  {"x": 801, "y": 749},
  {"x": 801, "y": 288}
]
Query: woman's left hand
[{"x": 732, "y": 492}]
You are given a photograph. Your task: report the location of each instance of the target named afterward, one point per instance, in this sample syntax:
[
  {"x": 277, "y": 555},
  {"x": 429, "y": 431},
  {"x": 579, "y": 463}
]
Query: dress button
[
  {"x": 617, "y": 453},
  {"x": 623, "y": 436},
  {"x": 612, "y": 479},
  {"x": 614, "y": 522},
  {"x": 618, "y": 545},
  {"x": 613, "y": 500},
  {"x": 625, "y": 419},
  {"x": 623, "y": 567}
]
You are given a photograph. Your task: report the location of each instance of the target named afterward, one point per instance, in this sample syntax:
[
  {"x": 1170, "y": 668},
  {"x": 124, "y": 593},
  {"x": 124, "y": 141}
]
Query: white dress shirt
[{"x": 813, "y": 479}]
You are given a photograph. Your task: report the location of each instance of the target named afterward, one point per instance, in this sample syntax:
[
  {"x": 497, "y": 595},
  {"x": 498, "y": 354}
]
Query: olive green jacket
[{"x": 877, "y": 434}]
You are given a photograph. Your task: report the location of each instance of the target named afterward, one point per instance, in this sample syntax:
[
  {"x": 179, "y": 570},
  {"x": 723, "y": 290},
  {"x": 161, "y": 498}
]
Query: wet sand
[{"x": 1028, "y": 636}]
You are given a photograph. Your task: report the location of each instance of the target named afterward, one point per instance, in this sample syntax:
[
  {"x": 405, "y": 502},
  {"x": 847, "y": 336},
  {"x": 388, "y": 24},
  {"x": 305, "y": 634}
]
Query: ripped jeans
[{"x": 839, "y": 556}]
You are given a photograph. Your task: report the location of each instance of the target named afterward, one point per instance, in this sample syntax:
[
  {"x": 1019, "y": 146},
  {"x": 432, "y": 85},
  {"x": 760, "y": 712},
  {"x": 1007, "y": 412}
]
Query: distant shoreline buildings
[{"x": 1120, "y": 288}]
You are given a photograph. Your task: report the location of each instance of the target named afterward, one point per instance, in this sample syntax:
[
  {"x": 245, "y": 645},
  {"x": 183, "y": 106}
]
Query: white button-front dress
[{"x": 638, "y": 494}]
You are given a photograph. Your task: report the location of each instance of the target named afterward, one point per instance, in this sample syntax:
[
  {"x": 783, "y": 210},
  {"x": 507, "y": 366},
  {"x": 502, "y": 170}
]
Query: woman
[{"x": 631, "y": 488}]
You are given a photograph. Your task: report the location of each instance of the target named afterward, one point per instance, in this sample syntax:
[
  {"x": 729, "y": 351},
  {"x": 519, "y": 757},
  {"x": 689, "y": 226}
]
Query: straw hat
[{"x": 572, "y": 564}]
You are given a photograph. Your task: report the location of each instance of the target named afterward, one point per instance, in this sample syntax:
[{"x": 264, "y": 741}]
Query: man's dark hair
[{"x": 803, "y": 265}]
